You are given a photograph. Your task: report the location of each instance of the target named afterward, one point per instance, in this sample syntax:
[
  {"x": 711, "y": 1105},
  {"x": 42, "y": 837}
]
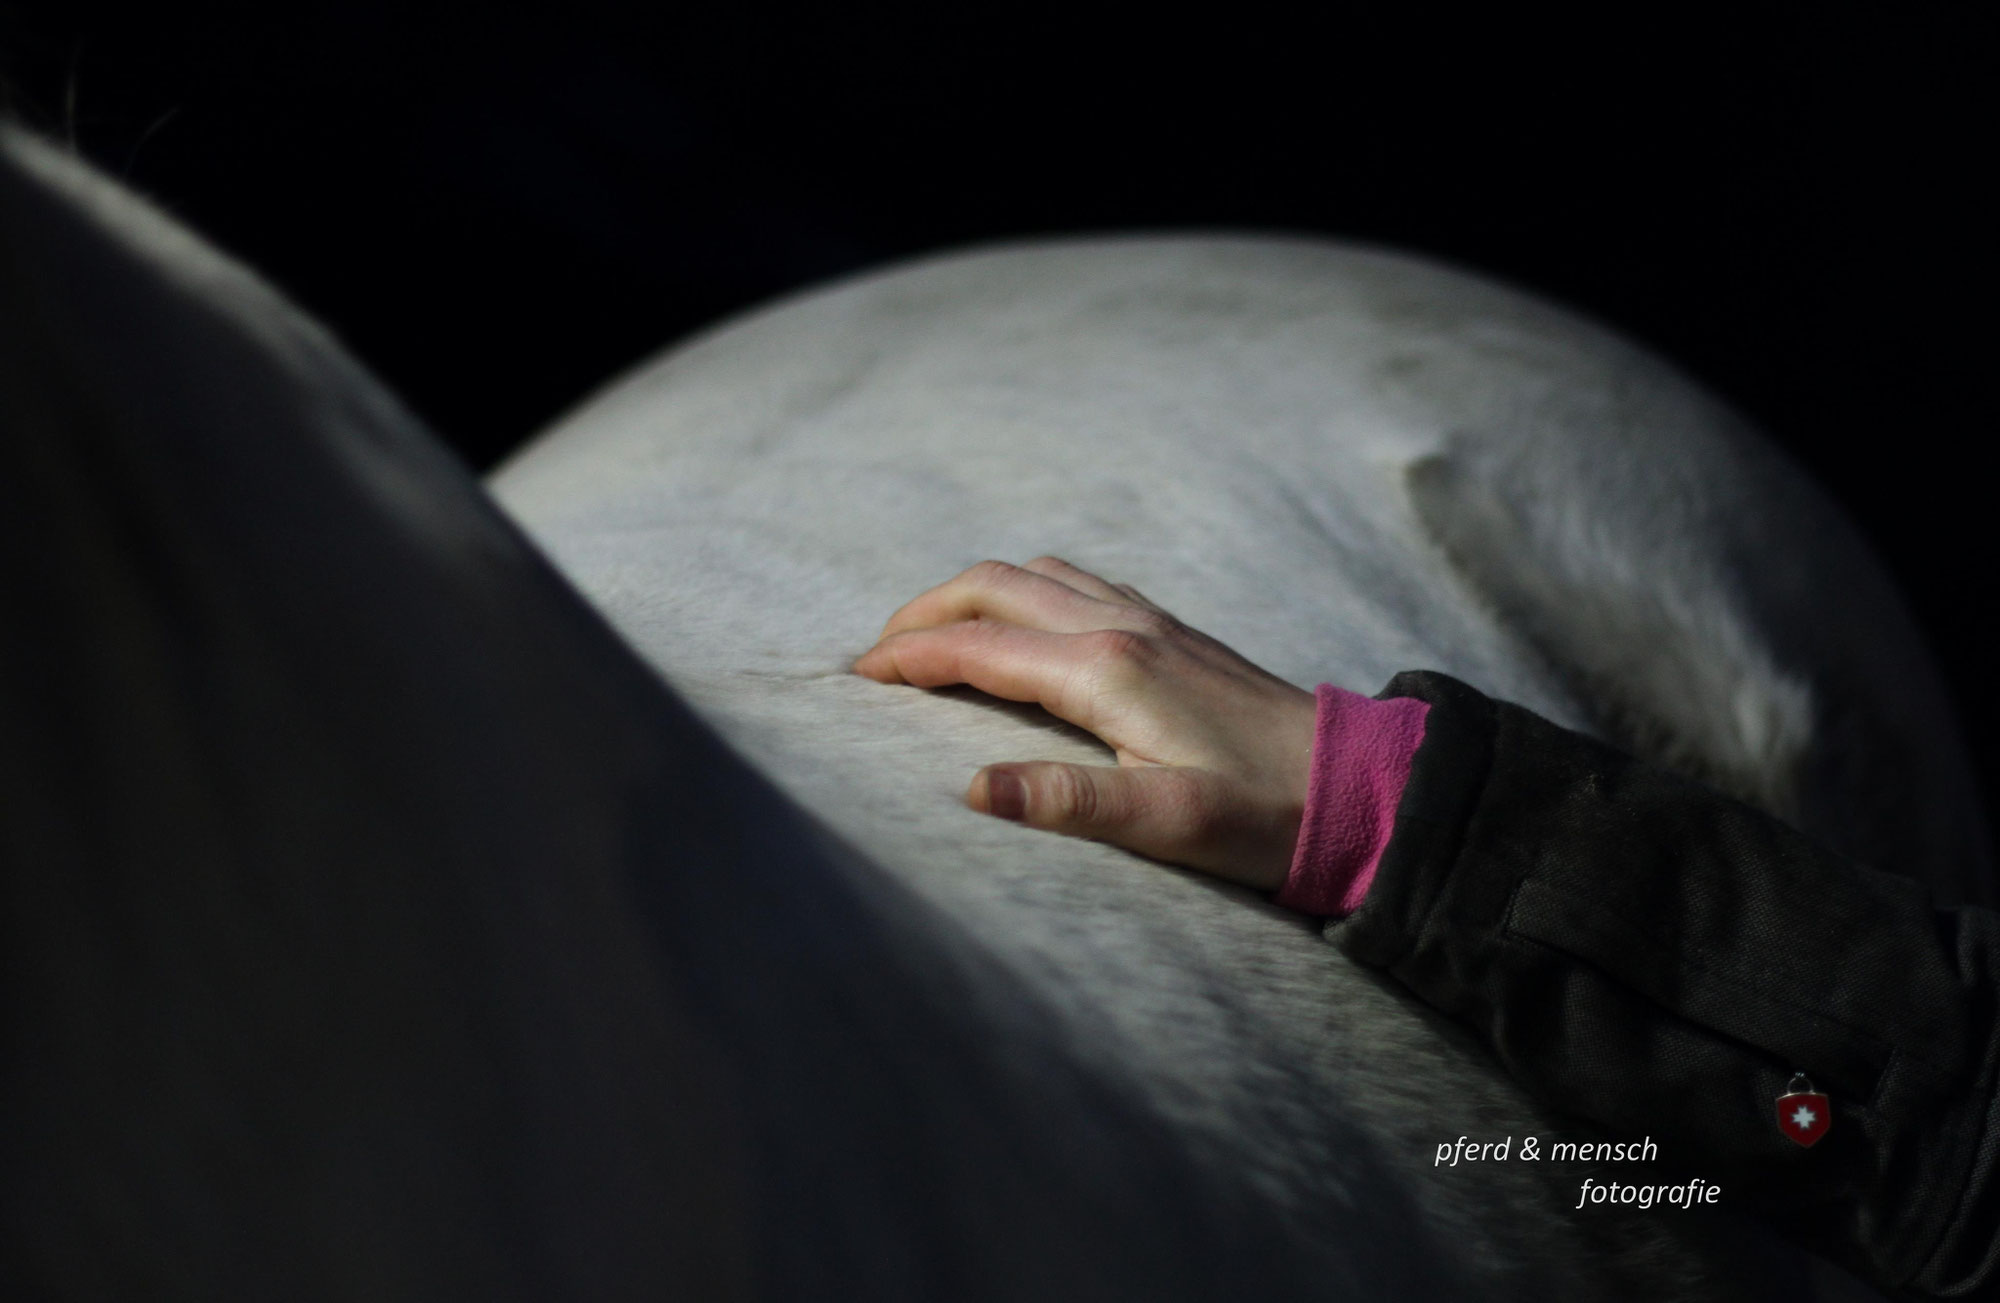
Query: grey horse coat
[{"x": 394, "y": 913}]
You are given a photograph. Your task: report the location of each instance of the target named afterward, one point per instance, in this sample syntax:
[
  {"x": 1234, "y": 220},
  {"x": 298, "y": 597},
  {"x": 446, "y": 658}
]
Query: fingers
[
  {"x": 1180, "y": 815},
  {"x": 1025, "y": 635},
  {"x": 1069, "y": 675},
  {"x": 1190, "y": 720},
  {"x": 994, "y": 590},
  {"x": 1078, "y": 578},
  {"x": 1047, "y": 593},
  {"x": 1135, "y": 595},
  {"x": 1085, "y": 582}
]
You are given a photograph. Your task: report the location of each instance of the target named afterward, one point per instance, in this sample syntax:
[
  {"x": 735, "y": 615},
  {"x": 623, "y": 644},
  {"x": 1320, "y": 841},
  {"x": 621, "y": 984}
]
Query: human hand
[{"x": 1214, "y": 754}]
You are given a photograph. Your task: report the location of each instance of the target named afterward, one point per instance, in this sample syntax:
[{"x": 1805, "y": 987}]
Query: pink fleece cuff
[{"x": 1362, "y": 751}]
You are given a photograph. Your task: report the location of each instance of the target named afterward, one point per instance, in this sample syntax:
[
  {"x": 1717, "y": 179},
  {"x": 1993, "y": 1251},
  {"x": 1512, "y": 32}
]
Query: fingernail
[{"x": 1006, "y": 795}]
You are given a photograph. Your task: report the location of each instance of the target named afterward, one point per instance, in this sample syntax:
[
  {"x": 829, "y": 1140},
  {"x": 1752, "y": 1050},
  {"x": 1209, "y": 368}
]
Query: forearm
[{"x": 1657, "y": 958}]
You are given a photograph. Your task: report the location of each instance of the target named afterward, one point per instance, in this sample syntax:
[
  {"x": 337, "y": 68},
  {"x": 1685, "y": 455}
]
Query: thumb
[{"x": 1172, "y": 813}]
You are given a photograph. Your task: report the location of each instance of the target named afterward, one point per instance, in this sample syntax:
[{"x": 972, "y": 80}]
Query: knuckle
[
  {"x": 979, "y": 637},
  {"x": 1119, "y": 661},
  {"x": 991, "y": 572},
  {"x": 1121, "y": 647},
  {"x": 1119, "y": 664},
  {"x": 1070, "y": 797}
]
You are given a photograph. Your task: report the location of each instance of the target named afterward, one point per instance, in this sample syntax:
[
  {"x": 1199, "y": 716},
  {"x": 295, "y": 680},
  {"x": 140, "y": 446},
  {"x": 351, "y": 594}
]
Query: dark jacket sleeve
[{"x": 1659, "y": 959}]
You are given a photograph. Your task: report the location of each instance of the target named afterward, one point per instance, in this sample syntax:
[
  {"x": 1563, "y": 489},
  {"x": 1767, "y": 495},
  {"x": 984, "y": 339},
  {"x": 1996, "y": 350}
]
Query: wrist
[{"x": 1361, "y": 758}]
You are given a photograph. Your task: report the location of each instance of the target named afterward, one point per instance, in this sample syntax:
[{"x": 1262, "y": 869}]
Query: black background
[{"x": 500, "y": 210}]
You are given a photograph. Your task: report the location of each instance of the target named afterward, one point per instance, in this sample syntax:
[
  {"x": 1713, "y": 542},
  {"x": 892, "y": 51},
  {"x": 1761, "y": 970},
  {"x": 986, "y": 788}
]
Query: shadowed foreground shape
[{"x": 379, "y": 924}]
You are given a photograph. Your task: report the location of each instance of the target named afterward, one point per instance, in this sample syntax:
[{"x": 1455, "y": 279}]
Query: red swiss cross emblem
[{"x": 1803, "y": 1113}]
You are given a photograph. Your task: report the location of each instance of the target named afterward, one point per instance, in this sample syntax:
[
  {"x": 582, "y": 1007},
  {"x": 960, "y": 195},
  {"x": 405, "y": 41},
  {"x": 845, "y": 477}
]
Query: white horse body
[
  {"x": 434, "y": 949},
  {"x": 1341, "y": 462}
]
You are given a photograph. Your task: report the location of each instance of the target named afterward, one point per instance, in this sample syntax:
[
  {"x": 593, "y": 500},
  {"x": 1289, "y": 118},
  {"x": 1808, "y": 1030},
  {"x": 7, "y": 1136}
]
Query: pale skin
[{"x": 1214, "y": 754}]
